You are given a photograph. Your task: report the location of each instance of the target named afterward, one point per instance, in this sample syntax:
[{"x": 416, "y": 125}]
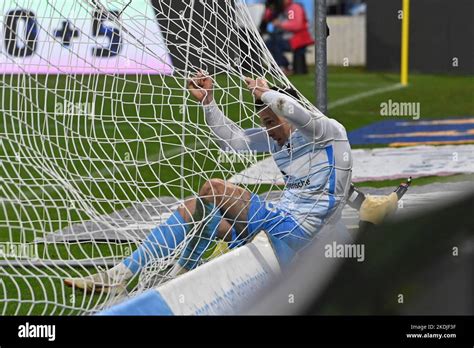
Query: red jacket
[{"x": 297, "y": 23}]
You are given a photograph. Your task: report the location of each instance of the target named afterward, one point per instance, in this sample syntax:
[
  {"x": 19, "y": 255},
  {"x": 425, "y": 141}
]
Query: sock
[
  {"x": 235, "y": 242},
  {"x": 162, "y": 241},
  {"x": 199, "y": 243}
]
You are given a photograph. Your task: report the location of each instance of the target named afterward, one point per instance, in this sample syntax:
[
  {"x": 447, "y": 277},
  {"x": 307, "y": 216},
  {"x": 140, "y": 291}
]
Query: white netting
[{"x": 99, "y": 137}]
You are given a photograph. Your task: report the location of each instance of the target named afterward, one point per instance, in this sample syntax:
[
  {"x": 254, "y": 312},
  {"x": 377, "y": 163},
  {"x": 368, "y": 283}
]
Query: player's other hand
[
  {"x": 200, "y": 87},
  {"x": 257, "y": 87}
]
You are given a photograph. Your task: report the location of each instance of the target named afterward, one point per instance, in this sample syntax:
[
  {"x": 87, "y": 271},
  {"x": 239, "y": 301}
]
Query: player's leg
[
  {"x": 279, "y": 224},
  {"x": 245, "y": 214},
  {"x": 164, "y": 239},
  {"x": 233, "y": 202},
  {"x": 218, "y": 203},
  {"x": 187, "y": 210},
  {"x": 160, "y": 242}
]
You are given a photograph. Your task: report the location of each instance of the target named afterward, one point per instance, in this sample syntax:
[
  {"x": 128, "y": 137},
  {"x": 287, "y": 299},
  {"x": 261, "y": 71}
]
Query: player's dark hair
[{"x": 259, "y": 105}]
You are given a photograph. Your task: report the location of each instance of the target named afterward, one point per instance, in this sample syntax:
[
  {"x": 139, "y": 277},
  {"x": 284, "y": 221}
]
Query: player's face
[{"x": 277, "y": 128}]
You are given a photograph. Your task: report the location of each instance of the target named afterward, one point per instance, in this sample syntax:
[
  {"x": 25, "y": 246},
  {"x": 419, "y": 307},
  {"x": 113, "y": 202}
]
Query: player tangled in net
[
  {"x": 311, "y": 150},
  {"x": 100, "y": 140}
]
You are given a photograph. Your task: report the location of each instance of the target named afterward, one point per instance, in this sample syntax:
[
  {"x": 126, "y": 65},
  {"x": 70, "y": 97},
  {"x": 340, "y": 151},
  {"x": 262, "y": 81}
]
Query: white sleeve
[
  {"x": 314, "y": 126},
  {"x": 231, "y": 136}
]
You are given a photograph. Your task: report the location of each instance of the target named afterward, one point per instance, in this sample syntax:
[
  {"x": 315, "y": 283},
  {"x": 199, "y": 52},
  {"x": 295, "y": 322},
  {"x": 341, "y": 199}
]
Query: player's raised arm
[
  {"x": 230, "y": 134},
  {"x": 314, "y": 126}
]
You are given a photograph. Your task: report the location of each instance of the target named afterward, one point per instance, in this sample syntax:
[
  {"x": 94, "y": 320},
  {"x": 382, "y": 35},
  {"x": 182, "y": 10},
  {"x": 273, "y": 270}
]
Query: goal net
[{"x": 100, "y": 140}]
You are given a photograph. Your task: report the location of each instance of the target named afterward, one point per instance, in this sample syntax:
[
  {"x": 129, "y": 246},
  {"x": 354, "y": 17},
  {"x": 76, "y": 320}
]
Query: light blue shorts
[{"x": 263, "y": 215}]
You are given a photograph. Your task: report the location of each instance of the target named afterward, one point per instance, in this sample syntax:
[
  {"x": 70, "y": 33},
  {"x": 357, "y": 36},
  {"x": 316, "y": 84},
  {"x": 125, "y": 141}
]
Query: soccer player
[{"x": 312, "y": 152}]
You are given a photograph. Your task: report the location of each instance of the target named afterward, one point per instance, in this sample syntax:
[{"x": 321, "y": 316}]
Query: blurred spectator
[
  {"x": 287, "y": 25},
  {"x": 273, "y": 9}
]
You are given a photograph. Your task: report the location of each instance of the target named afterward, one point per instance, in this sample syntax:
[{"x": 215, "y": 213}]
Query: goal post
[
  {"x": 405, "y": 40},
  {"x": 320, "y": 11}
]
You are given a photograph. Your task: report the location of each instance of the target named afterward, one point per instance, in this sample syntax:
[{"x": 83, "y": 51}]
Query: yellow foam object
[
  {"x": 374, "y": 209},
  {"x": 216, "y": 249}
]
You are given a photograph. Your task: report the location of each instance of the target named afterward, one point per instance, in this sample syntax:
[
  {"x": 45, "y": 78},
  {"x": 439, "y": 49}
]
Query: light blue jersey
[
  {"x": 314, "y": 186},
  {"x": 315, "y": 161}
]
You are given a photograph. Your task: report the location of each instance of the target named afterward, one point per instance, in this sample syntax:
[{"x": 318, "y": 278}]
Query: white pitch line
[{"x": 356, "y": 97}]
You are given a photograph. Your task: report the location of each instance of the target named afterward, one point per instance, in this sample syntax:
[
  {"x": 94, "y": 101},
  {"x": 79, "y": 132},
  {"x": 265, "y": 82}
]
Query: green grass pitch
[{"x": 144, "y": 117}]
